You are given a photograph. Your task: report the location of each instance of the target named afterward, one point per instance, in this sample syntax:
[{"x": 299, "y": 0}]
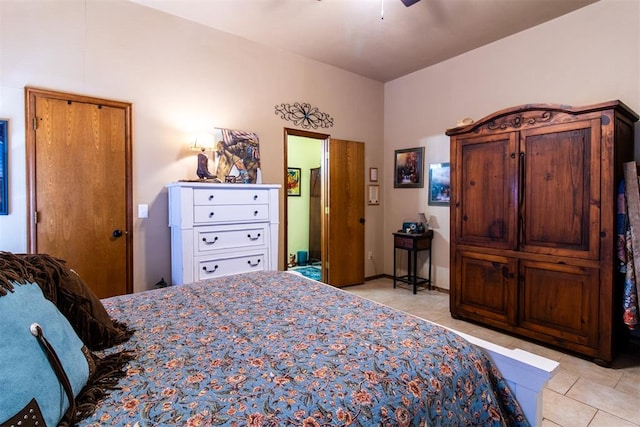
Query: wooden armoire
[{"x": 533, "y": 223}]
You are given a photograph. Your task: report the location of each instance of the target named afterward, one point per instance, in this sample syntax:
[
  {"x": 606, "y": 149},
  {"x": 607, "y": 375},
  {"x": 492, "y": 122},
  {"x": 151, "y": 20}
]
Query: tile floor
[{"x": 580, "y": 394}]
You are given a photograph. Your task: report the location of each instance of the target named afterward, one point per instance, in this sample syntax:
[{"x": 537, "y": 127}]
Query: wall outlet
[{"x": 370, "y": 256}]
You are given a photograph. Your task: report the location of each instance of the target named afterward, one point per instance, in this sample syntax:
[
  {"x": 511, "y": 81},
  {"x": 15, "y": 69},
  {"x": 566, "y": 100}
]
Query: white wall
[
  {"x": 182, "y": 79},
  {"x": 585, "y": 57}
]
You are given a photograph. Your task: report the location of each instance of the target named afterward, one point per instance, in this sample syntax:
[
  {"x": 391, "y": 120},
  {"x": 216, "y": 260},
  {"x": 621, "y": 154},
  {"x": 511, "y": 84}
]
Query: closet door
[
  {"x": 315, "y": 216},
  {"x": 346, "y": 213},
  {"x": 79, "y": 171},
  {"x": 485, "y": 191},
  {"x": 560, "y": 211}
]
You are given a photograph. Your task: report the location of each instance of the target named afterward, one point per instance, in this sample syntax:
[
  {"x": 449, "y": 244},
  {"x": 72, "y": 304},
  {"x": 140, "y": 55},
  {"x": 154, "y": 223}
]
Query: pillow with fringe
[
  {"x": 68, "y": 291},
  {"x": 65, "y": 387},
  {"x": 26, "y": 370}
]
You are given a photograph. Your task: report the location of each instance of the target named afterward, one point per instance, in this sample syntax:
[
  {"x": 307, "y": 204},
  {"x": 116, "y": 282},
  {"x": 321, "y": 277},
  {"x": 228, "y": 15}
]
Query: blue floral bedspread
[{"x": 275, "y": 349}]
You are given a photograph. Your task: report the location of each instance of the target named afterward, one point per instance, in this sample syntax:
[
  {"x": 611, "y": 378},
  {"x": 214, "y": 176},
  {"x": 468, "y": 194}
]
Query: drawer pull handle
[
  {"x": 255, "y": 197},
  {"x": 252, "y": 264},
  {"x": 211, "y": 197},
  {"x": 215, "y": 267},
  {"x": 204, "y": 239},
  {"x": 255, "y": 213},
  {"x": 211, "y": 214},
  {"x": 254, "y": 238}
]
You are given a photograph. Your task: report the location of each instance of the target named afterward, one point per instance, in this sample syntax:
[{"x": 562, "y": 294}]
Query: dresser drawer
[
  {"x": 208, "y": 268},
  {"x": 228, "y": 237},
  {"x": 214, "y": 196},
  {"x": 226, "y": 213}
]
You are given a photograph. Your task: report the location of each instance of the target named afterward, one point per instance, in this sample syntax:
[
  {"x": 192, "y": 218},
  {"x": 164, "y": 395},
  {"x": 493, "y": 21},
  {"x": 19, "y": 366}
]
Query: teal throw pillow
[{"x": 25, "y": 371}]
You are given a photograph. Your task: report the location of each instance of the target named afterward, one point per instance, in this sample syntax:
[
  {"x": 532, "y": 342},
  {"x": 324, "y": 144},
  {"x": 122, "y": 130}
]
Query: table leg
[
  {"x": 415, "y": 272},
  {"x": 408, "y": 266},
  {"x": 394, "y": 268},
  {"x": 429, "y": 269}
]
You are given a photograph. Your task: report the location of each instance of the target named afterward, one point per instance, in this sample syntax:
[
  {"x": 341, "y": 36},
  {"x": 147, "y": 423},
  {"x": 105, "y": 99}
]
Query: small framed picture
[
  {"x": 373, "y": 174},
  {"x": 439, "y": 184},
  {"x": 293, "y": 181},
  {"x": 408, "y": 168},
  {"x": 4, "y": 177}
]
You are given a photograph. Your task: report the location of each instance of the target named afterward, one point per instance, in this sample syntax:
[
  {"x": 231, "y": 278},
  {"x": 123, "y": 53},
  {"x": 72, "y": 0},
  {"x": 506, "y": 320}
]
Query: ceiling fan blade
[{"x": 409, "y": 2}]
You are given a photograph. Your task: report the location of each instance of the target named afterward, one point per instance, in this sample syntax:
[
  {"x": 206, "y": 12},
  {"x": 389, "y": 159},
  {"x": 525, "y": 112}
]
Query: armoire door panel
[
  {"x": 486, "y": 286},
  {"x": 486, "y": 194},
  {"x": 560, "y": 301},
  {"x": 560, "y": 209}
]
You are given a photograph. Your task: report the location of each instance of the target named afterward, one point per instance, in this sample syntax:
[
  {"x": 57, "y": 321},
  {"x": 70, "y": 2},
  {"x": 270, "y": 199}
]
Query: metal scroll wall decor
[{"x": 303, "y": 114}]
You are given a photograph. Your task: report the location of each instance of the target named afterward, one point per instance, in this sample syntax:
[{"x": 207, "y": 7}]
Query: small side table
[{"x": 412, "y": 243}]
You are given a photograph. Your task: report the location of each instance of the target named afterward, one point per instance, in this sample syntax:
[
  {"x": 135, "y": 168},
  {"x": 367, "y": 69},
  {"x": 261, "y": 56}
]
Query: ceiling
[{"x": 354, "y": 36}]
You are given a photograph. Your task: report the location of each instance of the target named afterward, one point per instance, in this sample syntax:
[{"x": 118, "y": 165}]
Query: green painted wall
[{"x": 303, "y": 153}]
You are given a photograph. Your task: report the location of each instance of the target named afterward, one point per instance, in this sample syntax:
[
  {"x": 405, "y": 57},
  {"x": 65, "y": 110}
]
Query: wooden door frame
[
  {"x": 31, "y": 93},
  {"x": 323, "y": 194}
]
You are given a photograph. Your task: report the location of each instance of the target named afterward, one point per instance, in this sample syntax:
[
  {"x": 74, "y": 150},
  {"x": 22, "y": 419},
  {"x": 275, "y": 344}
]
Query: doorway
[
  {"x": 79, "y": 186},
  {"x": 304, "y": 201},
  {"x": 338, "y": 165}
]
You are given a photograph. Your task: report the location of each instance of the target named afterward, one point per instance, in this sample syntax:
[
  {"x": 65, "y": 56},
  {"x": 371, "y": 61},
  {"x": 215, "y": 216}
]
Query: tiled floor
[{"x": 580, "y": 394}]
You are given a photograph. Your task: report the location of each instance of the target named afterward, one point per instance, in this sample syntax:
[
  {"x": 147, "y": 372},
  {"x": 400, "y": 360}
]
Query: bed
[{"x": 274, "y": 348}]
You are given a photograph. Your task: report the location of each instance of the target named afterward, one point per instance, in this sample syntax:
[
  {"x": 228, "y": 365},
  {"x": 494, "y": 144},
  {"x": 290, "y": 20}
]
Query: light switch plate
[{"x": 143, "y": 211}]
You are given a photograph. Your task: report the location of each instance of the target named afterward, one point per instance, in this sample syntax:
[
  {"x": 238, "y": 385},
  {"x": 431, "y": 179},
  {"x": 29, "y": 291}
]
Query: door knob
[
  {"x": 361, "y": 220},
  {"x": 117, "y": 233}
]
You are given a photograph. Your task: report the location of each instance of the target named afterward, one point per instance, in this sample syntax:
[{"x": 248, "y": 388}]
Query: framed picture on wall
[
  {"x": 408, "y": 168},
  {"x": 4, "y": 178},
  {"x": 439, "y": 184},
  {"x": 293, "y": 181},
  {"x": 373, "y": 174}
]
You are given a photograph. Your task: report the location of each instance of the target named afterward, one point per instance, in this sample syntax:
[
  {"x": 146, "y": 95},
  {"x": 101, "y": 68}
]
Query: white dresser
[{"x": 222, "y": 229}]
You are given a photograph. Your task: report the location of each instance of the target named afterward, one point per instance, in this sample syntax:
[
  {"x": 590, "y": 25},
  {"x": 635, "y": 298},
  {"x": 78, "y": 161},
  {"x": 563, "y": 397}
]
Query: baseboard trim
[{"x": 390, "y": 277}]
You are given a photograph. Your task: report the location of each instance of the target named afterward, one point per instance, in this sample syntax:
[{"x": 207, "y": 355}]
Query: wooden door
[
  {"x": 79, "y": 169},
  {"x": 561, "y": 175},
  {"x": 485, "y": 190},
  {"x": 315, "y": 215},
  {"x": 346, "y": 213}
]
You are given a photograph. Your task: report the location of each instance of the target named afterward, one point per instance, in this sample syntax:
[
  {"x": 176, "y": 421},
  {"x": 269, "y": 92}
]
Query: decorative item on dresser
[
  {"x": 222, "y": 229},
  {"x": 533, "y": 222},
  {"x": 203, "y": 143}
]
